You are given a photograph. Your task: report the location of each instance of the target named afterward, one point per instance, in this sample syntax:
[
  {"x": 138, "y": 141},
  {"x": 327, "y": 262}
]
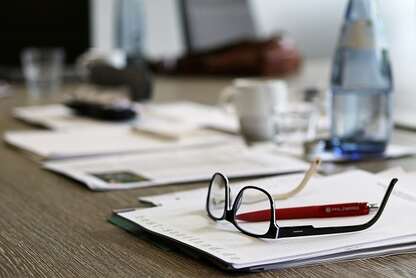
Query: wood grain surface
[{"x": 51, "y": 226}]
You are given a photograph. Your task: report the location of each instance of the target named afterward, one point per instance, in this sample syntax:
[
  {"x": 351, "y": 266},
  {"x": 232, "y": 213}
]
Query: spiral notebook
[{"x": 187, "y": 228}]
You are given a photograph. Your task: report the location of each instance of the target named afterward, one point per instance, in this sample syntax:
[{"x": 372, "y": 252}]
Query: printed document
[{"x": 174, "y": 166}]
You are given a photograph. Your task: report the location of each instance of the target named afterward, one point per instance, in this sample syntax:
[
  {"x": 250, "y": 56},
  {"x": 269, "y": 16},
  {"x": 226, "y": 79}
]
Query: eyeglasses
[{"x": 220, "y": 207}]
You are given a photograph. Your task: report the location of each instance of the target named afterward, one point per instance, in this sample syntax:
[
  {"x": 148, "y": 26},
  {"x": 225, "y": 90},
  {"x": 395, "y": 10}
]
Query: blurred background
[
  {"x": 161, "y": 29},
  {"x": 314, "y": 25}
]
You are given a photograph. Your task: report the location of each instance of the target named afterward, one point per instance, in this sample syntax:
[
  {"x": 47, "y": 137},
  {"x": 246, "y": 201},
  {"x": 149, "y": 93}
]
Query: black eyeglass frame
[{"x": 274, "y": 231}]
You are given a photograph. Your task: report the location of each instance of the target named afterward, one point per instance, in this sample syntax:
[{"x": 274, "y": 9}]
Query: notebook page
[
  {"x": 173, "y": 166},
  {"x": 191, "y": 226}
]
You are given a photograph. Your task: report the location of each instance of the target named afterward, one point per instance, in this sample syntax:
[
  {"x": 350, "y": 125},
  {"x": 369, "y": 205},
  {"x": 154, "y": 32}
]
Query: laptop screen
[{"x": 215, "y": 23}]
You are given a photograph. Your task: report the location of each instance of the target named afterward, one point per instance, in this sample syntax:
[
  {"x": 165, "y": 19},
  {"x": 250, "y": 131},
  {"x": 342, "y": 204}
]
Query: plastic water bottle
[{"x": 361, "y": 84}]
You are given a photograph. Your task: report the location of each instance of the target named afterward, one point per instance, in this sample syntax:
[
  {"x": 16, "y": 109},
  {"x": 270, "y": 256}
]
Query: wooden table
[{"x": 51, "y": 226}]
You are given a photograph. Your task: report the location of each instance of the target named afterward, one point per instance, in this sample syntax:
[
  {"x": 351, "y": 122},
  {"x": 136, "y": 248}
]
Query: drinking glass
[
  {"x": 42, "y": 69},
  {"x": 296, "y": 124}
]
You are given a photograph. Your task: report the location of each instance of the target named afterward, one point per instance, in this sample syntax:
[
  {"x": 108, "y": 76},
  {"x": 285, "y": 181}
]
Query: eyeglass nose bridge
[{"x": 229, "y": 216}]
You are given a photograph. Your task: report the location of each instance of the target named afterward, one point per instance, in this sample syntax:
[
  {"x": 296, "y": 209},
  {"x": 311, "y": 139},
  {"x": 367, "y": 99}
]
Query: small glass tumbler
[
  {"x": 42, "y": 69},
  {"x": 296, "y": 125}
]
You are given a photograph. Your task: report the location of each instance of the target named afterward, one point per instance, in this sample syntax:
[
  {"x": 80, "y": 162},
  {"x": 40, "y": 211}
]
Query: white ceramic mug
[{"x": 255, "y": 102}]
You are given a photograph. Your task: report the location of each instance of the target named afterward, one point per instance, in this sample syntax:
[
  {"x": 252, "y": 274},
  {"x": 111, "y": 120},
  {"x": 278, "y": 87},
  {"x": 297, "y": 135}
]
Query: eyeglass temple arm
[
  {"x": 283, "y": 196},
  {"x": 310, "y": 230},
  {"x": 308, "y": 175}
]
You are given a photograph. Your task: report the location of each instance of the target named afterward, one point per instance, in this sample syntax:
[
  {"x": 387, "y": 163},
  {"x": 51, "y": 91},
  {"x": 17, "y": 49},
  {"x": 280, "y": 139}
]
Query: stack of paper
[
  {"x": 170, "y": 143},
  {"x": 188, "y": 227},
  {"x": 159, "y": 127}
]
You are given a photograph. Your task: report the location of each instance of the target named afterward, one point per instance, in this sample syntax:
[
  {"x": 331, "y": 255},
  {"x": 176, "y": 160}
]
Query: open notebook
[
  {"x": 174, "y": 166},
  {"x": 187, "y": 227}
]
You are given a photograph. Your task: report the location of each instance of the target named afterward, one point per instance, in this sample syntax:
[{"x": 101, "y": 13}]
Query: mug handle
[{"x": 226, "y": 98}]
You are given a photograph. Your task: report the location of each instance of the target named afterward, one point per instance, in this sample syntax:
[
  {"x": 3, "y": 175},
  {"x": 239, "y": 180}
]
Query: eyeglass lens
[
  {"x": 244, "y": 205},
  {"x": 217, "y": 195}
]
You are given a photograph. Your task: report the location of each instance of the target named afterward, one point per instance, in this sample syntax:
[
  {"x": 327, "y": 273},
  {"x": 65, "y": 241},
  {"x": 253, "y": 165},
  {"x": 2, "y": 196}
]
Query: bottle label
[{"x": 359, "y": 35}]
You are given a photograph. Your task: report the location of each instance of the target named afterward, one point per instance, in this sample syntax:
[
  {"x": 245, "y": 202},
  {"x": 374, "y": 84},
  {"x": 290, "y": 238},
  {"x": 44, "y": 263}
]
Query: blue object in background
[
  {"x": 361, "y": 84},
  {"x": 130, "y": 27}
]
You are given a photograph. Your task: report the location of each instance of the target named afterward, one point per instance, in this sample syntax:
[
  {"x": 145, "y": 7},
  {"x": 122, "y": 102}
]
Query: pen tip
[{"x": 373, "y": 206}]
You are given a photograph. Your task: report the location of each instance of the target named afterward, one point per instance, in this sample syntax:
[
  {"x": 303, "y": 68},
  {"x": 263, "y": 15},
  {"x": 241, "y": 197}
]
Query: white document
[
  {"x": 105, "y": 141},
  {"x": 394, "y": 232},
  {"x": 195, "y": 114},
  {"x": 174, "y": 166},
  {"x": 190, "y": 114}
]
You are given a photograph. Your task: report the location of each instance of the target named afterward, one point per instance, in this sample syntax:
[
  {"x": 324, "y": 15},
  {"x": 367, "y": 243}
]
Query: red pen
[{"x": 320, "y": 211}]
